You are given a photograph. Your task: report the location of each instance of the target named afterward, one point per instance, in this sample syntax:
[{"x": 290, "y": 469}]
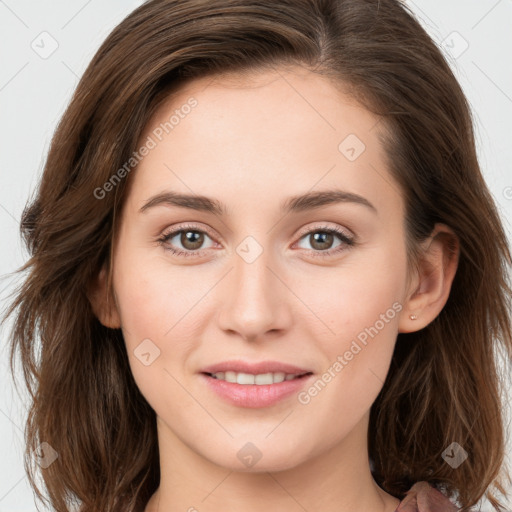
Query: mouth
[
  {"x": 260, "y": 379},
  {"x": 255, "y": 385}
]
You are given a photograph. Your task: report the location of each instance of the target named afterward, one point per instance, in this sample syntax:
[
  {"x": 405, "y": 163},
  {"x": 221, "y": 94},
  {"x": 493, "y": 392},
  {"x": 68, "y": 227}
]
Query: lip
[
  {"x": 240, "y": 366},
  {"x": 254, "y": 395}
]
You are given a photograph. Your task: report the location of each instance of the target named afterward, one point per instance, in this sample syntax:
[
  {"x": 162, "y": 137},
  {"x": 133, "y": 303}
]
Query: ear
[
  {"x": 103, "y": 305},
  {"x": 431, "y": 286}
]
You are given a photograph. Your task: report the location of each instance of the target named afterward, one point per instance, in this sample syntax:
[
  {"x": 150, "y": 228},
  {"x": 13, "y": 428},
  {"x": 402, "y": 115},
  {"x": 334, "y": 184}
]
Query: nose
[{"x": 257, "y": 299}]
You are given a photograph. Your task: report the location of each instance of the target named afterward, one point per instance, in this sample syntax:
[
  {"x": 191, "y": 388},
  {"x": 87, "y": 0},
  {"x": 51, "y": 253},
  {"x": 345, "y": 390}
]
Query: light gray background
[{"x": 35, "y": 87}]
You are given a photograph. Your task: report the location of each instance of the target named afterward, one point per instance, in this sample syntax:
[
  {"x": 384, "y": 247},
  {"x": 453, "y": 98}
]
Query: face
[{"x": 261, "y": 283}]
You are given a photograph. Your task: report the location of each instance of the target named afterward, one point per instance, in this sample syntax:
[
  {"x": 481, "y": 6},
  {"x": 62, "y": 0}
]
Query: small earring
[{"x": 413, "y": 317}]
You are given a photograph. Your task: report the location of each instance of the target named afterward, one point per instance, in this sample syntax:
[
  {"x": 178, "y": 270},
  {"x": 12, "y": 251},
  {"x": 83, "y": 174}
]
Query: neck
[{"x": 337, "y": 480}]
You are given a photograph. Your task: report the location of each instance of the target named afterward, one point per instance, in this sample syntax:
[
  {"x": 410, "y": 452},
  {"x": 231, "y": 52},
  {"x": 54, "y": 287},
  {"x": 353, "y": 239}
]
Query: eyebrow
[{"x": 305, "y": 202}]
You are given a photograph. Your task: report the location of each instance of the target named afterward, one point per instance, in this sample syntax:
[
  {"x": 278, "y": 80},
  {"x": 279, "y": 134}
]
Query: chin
[{"x": 257, "y": 457}]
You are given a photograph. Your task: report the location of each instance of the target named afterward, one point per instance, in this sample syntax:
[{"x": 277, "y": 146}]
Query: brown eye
[
  {"x": 187, "y": 241},
  {"x": 322, "y": 241},
  {"x": 191, "y": 240}
]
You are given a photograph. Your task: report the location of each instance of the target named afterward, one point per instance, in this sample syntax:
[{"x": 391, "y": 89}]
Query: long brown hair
[{"x": 443, "y": 385}]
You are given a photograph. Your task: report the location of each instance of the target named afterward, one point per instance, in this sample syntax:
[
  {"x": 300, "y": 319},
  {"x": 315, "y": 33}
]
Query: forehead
[
  {"x": 280, "y": 130},
  {"x": 290, "y": 93}
]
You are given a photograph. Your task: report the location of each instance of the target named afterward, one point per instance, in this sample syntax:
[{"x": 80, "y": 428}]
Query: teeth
[{"x": 248, "y": 378}]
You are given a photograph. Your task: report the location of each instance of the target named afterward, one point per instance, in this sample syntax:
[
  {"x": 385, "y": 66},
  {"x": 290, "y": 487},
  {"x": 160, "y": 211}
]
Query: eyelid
[
  {"x": 323, "y": 225},
  {"x": 303, "y": 231},
  {"x": 184, "y": 227}
]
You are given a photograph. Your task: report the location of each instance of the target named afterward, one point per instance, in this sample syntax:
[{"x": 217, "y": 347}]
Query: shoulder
[{"x": 422, "y": 497}]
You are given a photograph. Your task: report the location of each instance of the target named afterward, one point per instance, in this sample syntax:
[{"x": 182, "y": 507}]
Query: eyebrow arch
[{"x": 308, "y": 201}]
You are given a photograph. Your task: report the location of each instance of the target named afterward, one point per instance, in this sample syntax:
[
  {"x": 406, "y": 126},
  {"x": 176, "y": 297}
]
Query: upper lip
[{"x": 239, "y": 366}]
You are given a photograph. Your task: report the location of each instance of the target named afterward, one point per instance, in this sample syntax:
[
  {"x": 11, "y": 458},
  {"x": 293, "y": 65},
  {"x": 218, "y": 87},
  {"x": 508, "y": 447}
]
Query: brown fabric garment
[{"x": 422, "y": 497}]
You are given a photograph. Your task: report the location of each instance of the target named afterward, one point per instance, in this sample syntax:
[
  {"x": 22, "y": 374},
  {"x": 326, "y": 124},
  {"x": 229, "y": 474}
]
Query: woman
[{"x": 266, "y": 271}]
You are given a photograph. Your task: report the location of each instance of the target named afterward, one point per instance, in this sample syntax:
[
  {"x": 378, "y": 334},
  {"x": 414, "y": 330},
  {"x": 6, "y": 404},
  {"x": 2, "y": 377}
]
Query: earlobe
[
  {"x": 103, "y": 305},
  {"x": 437, "y": 268}
]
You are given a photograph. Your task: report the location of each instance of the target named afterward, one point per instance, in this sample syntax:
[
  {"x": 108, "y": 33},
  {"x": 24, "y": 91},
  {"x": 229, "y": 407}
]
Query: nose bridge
[
  {"x": 255, "y": 304},
  {"x": 251, "y": 270}
]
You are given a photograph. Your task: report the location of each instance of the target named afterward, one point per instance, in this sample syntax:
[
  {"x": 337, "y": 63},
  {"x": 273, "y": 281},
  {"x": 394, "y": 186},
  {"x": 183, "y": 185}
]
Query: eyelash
[{"x": 347, "y": 241}]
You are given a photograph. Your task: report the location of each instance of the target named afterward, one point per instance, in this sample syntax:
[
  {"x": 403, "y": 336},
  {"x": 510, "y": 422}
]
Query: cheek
[
  {"x": 154, "y": 296},
  {"x": 155, "y": 302},
  {"x": 162, "y": 312},
  {"x": 360, "y": 304},
  {"x": 353, "y": 296}
]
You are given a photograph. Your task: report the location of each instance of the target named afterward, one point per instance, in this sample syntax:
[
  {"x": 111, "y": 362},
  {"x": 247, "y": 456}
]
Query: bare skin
[{"x": 251, "y": 144}]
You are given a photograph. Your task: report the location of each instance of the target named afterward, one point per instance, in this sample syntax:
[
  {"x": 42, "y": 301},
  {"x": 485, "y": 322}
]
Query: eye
[
  {"x": 190, "y": 237},
  {"x": 322, "y": 239}
]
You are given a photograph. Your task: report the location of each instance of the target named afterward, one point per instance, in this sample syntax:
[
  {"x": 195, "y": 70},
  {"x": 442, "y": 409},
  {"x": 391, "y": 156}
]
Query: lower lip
[{"x": 254, "y": 395}]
